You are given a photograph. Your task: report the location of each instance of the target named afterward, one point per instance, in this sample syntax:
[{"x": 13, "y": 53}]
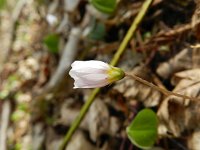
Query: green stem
[
  {"x": 130, "y": 32},
  {"x": 114, "y": 61}
]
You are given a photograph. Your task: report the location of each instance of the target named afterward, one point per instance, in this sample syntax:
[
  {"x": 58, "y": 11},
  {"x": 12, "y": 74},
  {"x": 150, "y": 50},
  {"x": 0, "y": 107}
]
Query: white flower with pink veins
[{"x": 94, "y": 73}]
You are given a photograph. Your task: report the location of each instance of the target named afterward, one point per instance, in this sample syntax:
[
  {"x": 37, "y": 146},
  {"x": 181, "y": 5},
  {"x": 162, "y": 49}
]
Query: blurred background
[{"x": 39, "y": 39}]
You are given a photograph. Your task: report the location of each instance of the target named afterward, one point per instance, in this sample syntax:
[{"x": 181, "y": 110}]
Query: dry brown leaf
[
  {"x": 196, "y": 56},
  {"x": 38, "y": 136},
  {"x": 180, "y": 62},
  {"x": 52, "y": 140},
  {"x": 196, "y": 19},
  {"x": 190, "y": 75},
  {"x": 66, "y": 109},
  {"x": 79, "y": 142},
  {"x": 188, "y": 58},
  {"x": 178, "y": 115},
  {"x": 194, "y": 140},
  {"x": 98, "y": 120}
]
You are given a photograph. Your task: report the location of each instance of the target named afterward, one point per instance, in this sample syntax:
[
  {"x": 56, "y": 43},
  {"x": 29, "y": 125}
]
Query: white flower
[{"x": 93, "y": 73}]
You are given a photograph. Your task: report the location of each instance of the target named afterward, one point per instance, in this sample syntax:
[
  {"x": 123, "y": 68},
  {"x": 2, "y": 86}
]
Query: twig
[
  {"x": 114, "y": 61},
  {"x": 162, "y": 90},
  {"x": 4, "y": 124},
  {"x": 69, "y": 52},
  {"x": 67, "y": 57}
]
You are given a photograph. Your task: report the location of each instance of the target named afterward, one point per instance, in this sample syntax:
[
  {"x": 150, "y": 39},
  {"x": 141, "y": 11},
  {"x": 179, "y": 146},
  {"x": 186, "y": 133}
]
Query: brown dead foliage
[{"x": 165, "y": 51}]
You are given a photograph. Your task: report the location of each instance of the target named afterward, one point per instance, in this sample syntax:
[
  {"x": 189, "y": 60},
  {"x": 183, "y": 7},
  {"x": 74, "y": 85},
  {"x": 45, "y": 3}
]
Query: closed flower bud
[{"x": 93, "y": 73}]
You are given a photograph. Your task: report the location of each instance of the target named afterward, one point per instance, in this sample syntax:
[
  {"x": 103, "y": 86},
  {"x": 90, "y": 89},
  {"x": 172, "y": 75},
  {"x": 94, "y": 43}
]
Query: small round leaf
[{"x": 143, "y": 129}]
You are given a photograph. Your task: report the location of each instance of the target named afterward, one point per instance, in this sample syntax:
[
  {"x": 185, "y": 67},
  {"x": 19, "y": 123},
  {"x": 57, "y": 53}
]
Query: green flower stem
[
  {"x": 114, "y": 61},
  {"x": 130, "y": 32}
]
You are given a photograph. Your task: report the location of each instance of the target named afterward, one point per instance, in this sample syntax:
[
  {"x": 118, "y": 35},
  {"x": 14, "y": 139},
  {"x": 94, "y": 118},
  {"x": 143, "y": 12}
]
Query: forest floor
[{"x": 39, "y": 41}]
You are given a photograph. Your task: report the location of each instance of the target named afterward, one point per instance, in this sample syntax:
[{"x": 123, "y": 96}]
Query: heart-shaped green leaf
[
  {"x": 105, "y": 6},
  {"x": 143, "y": 129}
]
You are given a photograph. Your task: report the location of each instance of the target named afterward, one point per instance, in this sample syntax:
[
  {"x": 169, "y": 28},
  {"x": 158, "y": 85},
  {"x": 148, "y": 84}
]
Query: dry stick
[
  {"x": 164, "y": 91},
  {"x": 67, "y": 57},
  {"x": 115, "y": 59}
]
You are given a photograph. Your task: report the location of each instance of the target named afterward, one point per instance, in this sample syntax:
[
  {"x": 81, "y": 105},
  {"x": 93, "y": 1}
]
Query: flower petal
[
  {"x": 92, "y": 76},
  {"x": 90, "y": 64},
  {"x": 88, "y": 70},
  {"x": 87, "y": 84}
]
